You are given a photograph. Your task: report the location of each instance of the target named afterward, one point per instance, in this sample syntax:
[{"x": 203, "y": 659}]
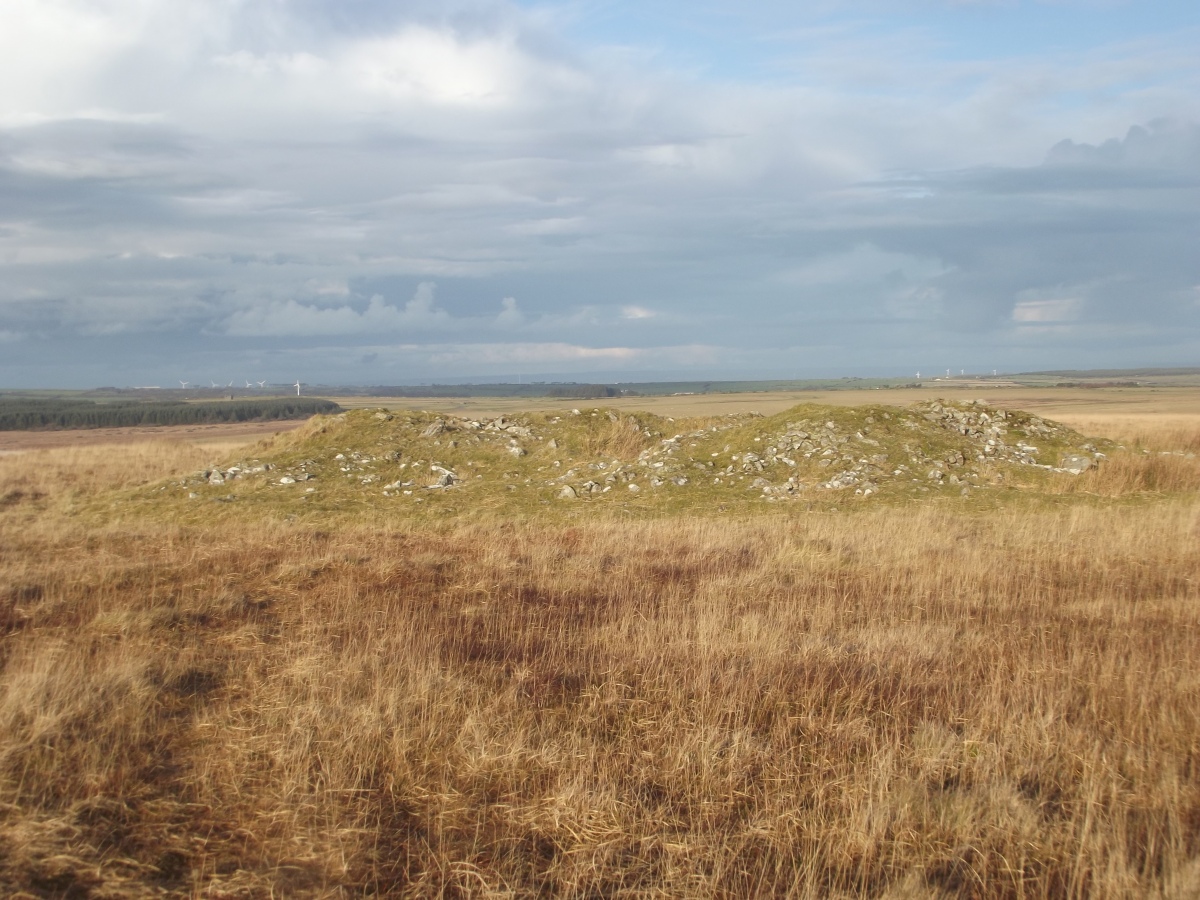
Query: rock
[
  {"x": 633, "y": 488},
  {"x": 516, "y": 450},
  {"x": 444, "y": 480},
  {"x": 436, "y": 427},
  {"x": 287, "y": 479},
  {"x": 1076, "y": 465},
  {"x": 568, "y": 493},
  {"x": 215, "y": 477}
]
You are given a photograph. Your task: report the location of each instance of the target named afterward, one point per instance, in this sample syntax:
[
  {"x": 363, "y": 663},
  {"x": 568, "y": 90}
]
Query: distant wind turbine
[
  {"x": 229, "y": 385},
  {"x": 184, "y": 384},
  {"x": 918, "y": 376},
  {"x": 261, "y": 383},
  {"x": 212, "y": 383},
  {"x": 297, "y": 387},
  {"x": 247, "y": 384}
]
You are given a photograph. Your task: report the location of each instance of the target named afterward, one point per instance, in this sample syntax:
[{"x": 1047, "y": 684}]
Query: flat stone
[{"x": 1076, "y": 465}]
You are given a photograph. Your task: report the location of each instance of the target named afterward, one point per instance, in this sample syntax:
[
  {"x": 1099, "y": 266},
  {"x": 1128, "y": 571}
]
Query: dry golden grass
[
  {"x": 34, "y": 482},
  {"x": 1172, "y": 433},
  {"x": 1128, "y": 474},
  {"x": 905, "y": 702},
  {"x": 1163, "y": 456},
  {"x": 1067, "y": 404}
]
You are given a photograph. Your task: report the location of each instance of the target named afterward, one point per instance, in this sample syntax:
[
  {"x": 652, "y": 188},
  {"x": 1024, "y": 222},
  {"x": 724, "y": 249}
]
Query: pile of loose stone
[{"x": 862, "y": 453}]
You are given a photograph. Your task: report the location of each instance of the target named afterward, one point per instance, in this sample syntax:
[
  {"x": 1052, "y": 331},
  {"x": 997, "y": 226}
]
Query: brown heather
[{"x": 921, "y": 700}]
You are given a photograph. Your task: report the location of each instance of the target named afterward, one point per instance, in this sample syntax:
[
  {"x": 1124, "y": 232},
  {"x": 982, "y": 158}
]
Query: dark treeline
[{"x": 27, "y": 415}]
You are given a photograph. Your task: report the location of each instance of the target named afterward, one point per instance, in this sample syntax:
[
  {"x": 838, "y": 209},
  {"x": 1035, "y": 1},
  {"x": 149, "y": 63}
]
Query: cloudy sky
[{"x": 398, "y": 191}]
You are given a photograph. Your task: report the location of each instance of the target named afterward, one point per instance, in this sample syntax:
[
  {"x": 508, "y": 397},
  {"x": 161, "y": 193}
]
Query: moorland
[{"x": 828, "y": 647}]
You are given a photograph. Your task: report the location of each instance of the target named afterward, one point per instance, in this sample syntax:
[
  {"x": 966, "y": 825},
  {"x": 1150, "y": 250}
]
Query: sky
[{"x": 368, "y": 192}]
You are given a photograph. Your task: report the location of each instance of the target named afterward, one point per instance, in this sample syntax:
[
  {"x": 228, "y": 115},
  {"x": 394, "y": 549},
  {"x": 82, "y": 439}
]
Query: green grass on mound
[{"x": 422, "y": 465}]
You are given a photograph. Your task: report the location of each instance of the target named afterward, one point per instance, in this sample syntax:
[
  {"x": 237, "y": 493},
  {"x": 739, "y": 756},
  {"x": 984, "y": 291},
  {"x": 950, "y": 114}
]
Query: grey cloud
[
  {"x": 256, "y": 207},
  {"x": 1162, "y": 144}
]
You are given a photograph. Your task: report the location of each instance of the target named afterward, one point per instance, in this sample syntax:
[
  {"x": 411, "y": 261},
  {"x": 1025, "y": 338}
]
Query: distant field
[
  {"x": 211, "y": 690},
  {"x": 221, "y": 437},
  {"x": 1061, "y": 403}
]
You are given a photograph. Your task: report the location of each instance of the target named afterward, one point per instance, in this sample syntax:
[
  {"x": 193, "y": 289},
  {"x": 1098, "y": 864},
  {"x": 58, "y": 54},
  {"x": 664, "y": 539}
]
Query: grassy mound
[{"x": 819, "y": 455}]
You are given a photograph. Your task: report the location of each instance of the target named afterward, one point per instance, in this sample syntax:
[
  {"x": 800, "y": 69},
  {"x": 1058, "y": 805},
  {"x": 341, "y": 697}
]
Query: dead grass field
[
  {"x": 1063, "y": 404},
  {"x": 223, "y": 437},
  {"x": 901, "y": 702}
]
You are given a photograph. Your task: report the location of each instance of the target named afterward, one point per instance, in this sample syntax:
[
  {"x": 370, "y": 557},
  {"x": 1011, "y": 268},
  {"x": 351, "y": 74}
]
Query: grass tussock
[
  {"x": 1125, "y": 474},
  {"x": 1154, "y": 433},
  {"x": 616, "y": 437},
  {"x": 899, "y": 702}
]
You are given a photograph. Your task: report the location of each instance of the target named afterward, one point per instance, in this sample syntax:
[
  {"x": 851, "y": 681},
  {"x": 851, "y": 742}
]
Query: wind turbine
[
  {"x": 247, "y": 385},
  {"x": 184, "y": 384},
  {"x": 261, "y": 383},
  {"x": 229, "y": 385},
  {"x": 213, "y": 383},
  {"x": 297, "y": 387},
  {"x": 918, "y": 376}
]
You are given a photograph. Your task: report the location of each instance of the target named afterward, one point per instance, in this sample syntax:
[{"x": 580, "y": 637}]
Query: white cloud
[
  {"x": 1035, "y": 310},
  {"x": 420, "y": 63},
  {"x": 330, "y": 288},
  {"x": 510, "y": 313},
  {"x": 292, "y": 319},
  {"x": 637, "y": 312}
]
